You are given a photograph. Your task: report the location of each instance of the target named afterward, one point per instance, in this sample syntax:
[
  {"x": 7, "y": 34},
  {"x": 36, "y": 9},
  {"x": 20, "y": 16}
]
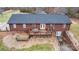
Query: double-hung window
[{"x": 42, "y": 26}]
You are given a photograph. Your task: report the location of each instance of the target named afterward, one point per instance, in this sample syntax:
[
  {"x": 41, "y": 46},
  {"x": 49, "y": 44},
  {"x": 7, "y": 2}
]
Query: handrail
[{"x": 73, "y": 40}]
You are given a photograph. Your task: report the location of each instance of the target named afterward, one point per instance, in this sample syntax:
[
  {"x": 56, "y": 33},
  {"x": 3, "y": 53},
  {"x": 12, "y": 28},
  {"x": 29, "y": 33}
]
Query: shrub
[
  {"x": 26, "y": 11},
  {"x": 77, "y": 15},
  {"x": 70, "y": 13},
  {"x": 22, "y": 37}
]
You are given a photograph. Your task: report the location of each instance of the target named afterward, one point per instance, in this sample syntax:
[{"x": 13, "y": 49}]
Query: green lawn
[
  {"x": 41, "y": 47},
  {"x": 6, "y": 15},
  {"x": 75, "y": 29}
]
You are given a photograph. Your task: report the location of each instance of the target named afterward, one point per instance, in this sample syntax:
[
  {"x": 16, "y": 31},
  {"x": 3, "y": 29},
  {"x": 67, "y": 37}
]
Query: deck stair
[{"x": 72, "y": 39}]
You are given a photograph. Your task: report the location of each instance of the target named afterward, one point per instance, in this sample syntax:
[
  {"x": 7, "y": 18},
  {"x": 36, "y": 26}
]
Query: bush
[
  {"x": 26, "y": 11},
  {"x": 70, "y": 13},
  {"x": 77, "y": 15},
  {"x": 22, "y": 37}
]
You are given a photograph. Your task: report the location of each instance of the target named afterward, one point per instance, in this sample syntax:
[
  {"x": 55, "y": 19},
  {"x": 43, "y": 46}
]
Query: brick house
[{"x": 39, "y": 24}]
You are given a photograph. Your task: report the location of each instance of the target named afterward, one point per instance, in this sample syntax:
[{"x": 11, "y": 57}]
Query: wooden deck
[{"x": 42, "y": 33}]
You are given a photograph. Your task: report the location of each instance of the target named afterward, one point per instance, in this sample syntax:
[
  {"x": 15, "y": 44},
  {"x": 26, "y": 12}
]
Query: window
[
  {"x": 42, "y": 26},
  {"x": 14, "y": 25},
  {"x": 24, "y": 25}
]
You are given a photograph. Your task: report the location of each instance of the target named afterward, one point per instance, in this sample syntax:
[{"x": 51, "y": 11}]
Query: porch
[{"x": 40, "y": 32}]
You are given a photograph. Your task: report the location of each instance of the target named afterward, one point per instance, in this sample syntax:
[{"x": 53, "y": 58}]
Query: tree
[{"x": 70, "y": 12}]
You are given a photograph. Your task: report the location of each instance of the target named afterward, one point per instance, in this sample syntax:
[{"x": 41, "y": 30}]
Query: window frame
[
  {"x": 42, "y": 26},
  {"x": 14, "y": 25},
  {"x": 24, "y": 25}
]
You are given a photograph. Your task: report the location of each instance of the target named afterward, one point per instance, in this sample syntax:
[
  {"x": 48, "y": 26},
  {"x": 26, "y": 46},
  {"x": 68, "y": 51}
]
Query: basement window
[
  {"x": 24, "y": 25},
  {"x": 14, "y": 25}
]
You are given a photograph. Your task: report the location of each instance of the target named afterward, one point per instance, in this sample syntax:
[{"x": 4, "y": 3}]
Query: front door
[{"x": 42, "y": 26}]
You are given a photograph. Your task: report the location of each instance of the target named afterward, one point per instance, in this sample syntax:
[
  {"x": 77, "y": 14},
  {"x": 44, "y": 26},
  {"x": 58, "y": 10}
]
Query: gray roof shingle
[{"x": 38, "y": 18}]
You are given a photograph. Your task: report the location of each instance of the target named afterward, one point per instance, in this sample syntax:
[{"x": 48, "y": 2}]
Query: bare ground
[
  {"x": 74, "y": 20},
  {"x": 10, "y": 41}
]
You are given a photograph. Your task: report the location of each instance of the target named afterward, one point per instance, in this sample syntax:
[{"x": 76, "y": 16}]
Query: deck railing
[{"x": 40, "y": 33}]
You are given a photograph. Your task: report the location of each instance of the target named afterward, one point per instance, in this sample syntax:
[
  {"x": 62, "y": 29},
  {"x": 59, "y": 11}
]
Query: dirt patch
[
  {"x": 74, "y": 20},
  {"x": 11, "y": 42},
  {"x": 3, "y": 34}
]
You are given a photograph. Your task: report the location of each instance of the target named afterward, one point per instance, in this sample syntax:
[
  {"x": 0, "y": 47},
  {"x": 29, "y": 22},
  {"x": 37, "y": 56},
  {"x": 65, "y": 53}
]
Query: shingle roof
[{"x": 38, "y": 18}]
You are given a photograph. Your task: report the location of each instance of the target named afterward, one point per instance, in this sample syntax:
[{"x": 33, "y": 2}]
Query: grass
[
  {"x": 2, "y": 47},
  {"x": 6, "y": 15},
  {"x": 40, "y": 47},
  {"x": 75, "y": 29}
]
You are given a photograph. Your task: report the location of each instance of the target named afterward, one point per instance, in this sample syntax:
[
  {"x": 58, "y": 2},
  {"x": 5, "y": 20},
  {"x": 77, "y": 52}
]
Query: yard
[
  {"x": 8, "y": 42},
  {"x": 75, "y": 30},
  {"x": 4, "y": 17},
  {"x": 40, "y": 47},
  {"x": 2, "y": 47}
]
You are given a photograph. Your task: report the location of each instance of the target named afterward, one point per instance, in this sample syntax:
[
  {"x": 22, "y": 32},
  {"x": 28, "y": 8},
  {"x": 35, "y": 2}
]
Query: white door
[
  {"x": 42, "y": 26},
  {"x": 58, "y": 33}
]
